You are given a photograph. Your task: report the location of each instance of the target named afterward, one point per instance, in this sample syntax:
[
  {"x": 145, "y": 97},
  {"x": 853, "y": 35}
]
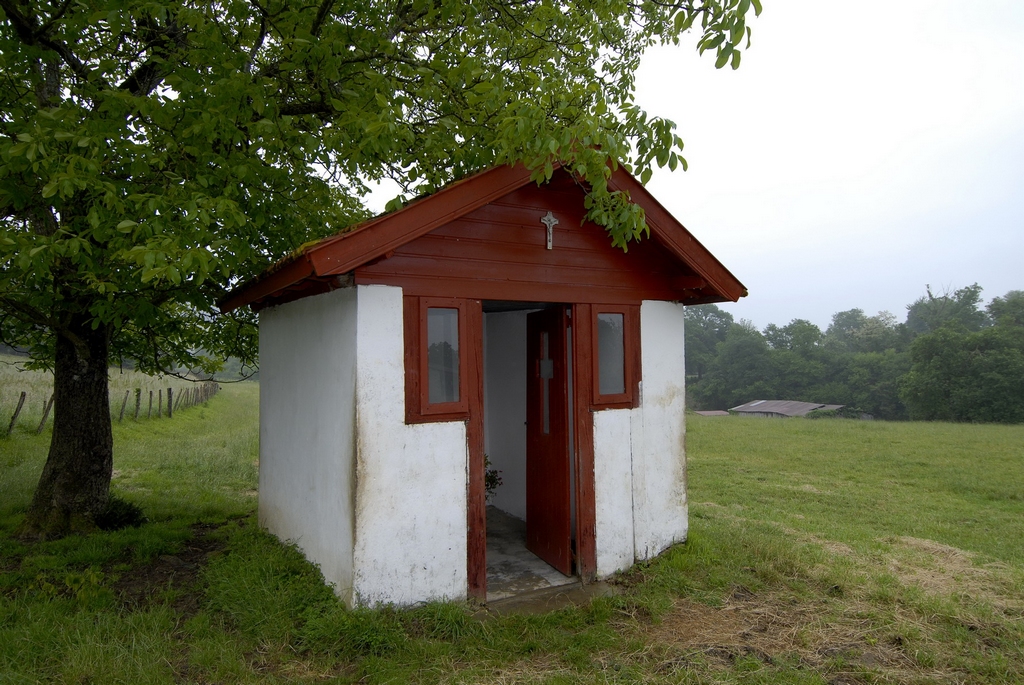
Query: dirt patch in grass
[
  {"x": 171, "y": 578},
  {"x": 944, "y": 570},
  {"x": 828, "y": 637}
]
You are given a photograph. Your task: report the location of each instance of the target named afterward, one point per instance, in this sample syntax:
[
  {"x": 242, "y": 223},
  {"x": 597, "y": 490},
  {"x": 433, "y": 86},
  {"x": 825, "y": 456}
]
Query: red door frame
[
  {"x": 583, "y": 440},
  {"x": 583, "y": 428},
  {"x": 548, "y": 500},
  {"x": 476, "y": 498}
]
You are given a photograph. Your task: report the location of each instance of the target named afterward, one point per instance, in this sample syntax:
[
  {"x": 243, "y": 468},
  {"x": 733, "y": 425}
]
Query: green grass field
[{"x": 825, "y": 552}]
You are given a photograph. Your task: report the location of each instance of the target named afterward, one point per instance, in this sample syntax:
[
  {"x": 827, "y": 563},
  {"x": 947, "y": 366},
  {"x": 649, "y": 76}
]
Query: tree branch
[
  {"x": 23, "y": 312},
  {"x": 30, "y": 34},
  {"x": 321, "y": 17},
  {"x": 258, "y": 44},
  {"x": 149, "y": 74},
  {"x": 304, "y": 108},
  {"x": 56, "y": 17}
]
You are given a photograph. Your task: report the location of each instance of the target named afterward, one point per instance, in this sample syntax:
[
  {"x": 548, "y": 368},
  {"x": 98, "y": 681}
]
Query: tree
[
  {"x": 930, "y": 311},
  {"x": 872, "y": 381},
  {"x": 805, "y": 368},
  {"x": 799, "y": 335},
  {"x": 706, "y": 326},
  {"x": 1007, "y": 310},
  {"x": 842, "y": 332},
  {"x": 153, "y": 153},
  {"x": 741, "y": 370},
  {"x": 853, "y": 331},
  {"x": 961, "y": 375}
]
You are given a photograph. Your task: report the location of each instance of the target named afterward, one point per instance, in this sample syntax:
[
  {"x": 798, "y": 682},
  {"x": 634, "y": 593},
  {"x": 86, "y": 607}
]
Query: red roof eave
[
  {"x": 340, "y": 254},
  {"x": 677, "y": 239}
]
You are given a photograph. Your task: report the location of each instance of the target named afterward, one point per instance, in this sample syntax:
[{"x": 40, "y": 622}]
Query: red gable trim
[
  {"x": 376, "y": 238},
  {"x": 679, "y": 241}
]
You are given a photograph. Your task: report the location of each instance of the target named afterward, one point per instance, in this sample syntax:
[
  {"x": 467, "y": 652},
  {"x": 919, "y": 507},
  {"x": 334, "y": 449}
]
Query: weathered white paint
[
  {"x": 307, "y": 429},
  {"x": 505, "y": 406},
  {"x": 613, "y": 492},
  {"x": 639, "y": 454},
  {"x": 410, "y": 540},
  {"x": 659, "y": 432}
]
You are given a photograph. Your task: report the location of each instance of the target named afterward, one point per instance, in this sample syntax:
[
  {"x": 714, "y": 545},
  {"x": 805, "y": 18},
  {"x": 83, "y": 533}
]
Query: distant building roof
[
  {"x": 782, "y": 407},
  {"x": 715, "y": 412}
]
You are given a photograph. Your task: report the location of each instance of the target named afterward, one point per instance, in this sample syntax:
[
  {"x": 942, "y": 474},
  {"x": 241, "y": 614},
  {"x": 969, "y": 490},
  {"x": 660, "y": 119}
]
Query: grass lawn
[{"x": 823, "y": 552}]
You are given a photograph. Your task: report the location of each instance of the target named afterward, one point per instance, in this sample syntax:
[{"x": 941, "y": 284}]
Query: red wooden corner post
[
  {"x": 476, "y": 499},
  {"x": 586, "y": 512}
]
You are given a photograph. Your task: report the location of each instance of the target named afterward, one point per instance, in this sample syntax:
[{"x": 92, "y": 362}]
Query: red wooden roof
[{"x": 325, "y": 265}]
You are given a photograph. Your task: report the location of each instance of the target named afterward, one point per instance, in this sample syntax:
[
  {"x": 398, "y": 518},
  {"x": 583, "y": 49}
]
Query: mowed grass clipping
[{"x": 820, "y": 552}]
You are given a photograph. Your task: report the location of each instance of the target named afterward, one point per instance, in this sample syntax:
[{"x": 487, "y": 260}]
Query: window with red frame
[
  {"x": 436, "y": 378},
  {"x": 615, "y": 335}
]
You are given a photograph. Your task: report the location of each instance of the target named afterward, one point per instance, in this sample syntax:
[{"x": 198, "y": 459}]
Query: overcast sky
[{"x": 861, "y": 151}]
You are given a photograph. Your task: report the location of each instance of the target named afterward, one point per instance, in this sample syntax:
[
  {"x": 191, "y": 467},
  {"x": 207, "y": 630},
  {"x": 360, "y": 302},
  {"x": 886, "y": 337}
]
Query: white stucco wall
[
  {"x": 642, "y": 508},
  {"x": 613, "y": 492},
  {"x": 659, "y": 433},
  {"x": 410, "y": 539},
  {"x": 505, "y": 406},
  {"x": 307, "y": 429}
]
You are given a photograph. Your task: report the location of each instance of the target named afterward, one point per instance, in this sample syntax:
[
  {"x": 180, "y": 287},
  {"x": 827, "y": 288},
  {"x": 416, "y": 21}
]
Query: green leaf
[
  {"x": 127, "y": 225},
  {"x": 723, "y": 56},
  {"x": 149, "y": 274}
]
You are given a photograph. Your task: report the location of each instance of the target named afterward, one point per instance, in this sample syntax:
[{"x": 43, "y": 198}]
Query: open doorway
[{"x": 528, "y": 439}]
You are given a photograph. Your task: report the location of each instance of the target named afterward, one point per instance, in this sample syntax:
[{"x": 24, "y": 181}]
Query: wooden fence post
[
  {"x": 177, "y": 399},
  {"x": 170, "y": 404},
  {"x": 149, "y": 413},
  {"x": 138, "y": 402},
  {"x": 14, "y": 419},
  {"x": 46, "y": 414},
  {"x": 159, "y": 402},
  {"x": 124, "y": 403}
]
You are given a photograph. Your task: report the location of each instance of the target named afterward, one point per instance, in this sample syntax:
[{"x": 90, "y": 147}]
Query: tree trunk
[{"x": 75, "y": 483}]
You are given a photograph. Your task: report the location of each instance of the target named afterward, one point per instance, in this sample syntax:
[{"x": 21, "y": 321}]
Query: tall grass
[{"x": 38, "y": 386}]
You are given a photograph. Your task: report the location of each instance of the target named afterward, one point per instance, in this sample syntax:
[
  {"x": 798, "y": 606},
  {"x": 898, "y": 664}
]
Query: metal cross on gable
[{"x": 550, "y": 221}]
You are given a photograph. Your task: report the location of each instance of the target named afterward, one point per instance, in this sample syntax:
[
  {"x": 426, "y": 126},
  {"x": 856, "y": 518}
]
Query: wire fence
[{"x": 26, "y": 396}]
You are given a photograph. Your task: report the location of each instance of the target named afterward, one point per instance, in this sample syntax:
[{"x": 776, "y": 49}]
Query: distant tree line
[{"x": 953, "y": 359}]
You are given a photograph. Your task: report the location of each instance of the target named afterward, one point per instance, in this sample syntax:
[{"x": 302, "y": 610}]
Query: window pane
[
  {"x": 611, "y": 357},
  {"x": 442, "y": 355}
]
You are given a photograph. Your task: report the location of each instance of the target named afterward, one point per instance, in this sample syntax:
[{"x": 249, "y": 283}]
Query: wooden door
[{"x": 548, "y": 517}]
